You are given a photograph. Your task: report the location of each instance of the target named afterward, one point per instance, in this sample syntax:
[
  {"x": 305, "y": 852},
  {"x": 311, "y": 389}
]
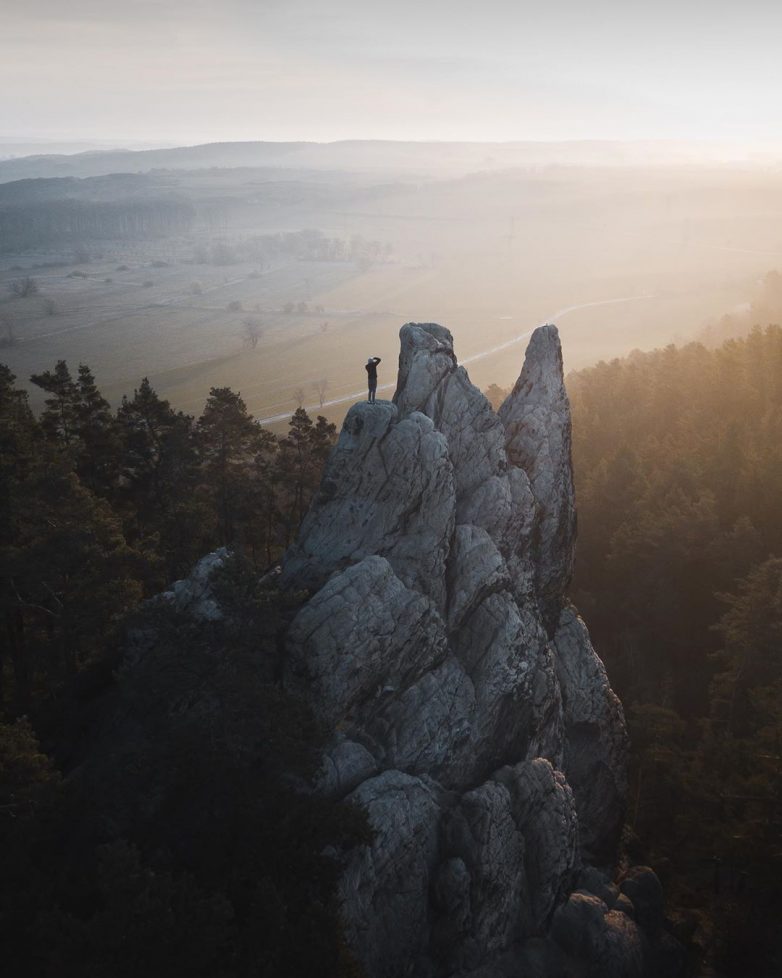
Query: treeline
[
  {"x": 101, "y": 508},
  {"x": 150, "y": 821},
  {"x": 678, "y": 464},
  {"x": 38, "y": 223},
  {"x": 306, "y": 245}
]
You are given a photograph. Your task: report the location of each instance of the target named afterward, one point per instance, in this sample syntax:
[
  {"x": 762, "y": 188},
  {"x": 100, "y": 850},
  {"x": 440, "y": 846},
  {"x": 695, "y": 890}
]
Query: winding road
[{"x": 560, "y": 314}]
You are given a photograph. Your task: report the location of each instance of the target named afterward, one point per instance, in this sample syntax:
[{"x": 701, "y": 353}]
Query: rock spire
[{"x": 473, "y": 720}]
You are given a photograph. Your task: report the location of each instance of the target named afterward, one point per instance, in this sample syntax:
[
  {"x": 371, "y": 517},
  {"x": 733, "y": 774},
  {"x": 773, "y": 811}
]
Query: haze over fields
[
  {"x": 277, "y": 269},
  {"x": 259, "y": 195}
]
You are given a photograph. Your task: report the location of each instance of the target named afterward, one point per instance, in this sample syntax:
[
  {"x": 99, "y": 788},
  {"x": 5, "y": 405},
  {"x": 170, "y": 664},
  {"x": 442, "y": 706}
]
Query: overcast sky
[{"x": 179, "y": 71}]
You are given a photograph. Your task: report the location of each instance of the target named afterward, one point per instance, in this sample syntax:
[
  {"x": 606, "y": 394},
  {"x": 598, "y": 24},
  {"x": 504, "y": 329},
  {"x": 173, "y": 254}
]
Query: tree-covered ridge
[
  {"x": 678, "y": 465},
  {"x": 149, "y": 817}
]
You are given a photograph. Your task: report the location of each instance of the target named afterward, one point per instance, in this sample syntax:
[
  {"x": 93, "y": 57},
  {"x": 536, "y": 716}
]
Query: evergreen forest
[
  {"x": 149, "y": 817},
  {"x": 678, "y": 465}
]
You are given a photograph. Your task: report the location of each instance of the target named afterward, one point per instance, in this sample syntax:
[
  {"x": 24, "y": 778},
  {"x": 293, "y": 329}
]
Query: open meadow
[{"x": 280, "y": 286}]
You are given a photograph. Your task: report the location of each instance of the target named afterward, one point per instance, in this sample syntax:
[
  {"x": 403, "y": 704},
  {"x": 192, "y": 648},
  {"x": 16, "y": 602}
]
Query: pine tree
[
  {"x": 60, "y": 418},
  {"x": 302, "y": 454},
  {"x": 73, "y": 575},
  {"x": 20, "y": 438},
  {"x": 159, "y": 476},
  {"x": 78, "y": 419},
  {"x": 265, "y": 538},
  {"x": 98, "y": 459},
  {"x": 228, "y": 440}
]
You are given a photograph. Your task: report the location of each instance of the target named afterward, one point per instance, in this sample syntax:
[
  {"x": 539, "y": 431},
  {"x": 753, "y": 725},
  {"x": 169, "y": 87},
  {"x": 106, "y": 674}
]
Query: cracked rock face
[
  {"x": 595, "y": 738},
  {"x": 384, "y": 891},
  {"x": 489, "y": 492},
  {"x": 394, "y": 633},
  {"x": 387, "y": 490},
  {"x": 194, "y": 595},
  {"x": 473, "y": 719},
  {"x": 536, "y": 416}
]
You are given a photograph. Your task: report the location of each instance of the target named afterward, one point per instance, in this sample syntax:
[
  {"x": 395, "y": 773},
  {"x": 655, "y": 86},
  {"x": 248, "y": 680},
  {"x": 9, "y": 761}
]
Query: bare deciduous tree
[
  {"x": 252, "y": 331},
  {"x": 23, "y": 287},
  {"x": 299, "y": 395},
  {"x": 320, "y": 387}
]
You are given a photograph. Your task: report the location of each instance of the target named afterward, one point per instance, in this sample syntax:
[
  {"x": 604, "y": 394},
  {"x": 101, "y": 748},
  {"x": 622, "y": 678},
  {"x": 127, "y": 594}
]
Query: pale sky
[{"x": 188, "y": 71}]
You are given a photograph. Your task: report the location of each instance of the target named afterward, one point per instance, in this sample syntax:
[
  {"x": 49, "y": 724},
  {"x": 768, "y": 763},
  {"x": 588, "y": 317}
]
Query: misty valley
[{"x": 278, "y": 270}]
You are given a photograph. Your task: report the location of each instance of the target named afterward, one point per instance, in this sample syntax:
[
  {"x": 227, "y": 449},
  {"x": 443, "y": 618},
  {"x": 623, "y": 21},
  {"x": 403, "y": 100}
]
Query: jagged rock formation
[
  {"x": 595, "y": 740},
  {"x": 473, "y": 719},
  {"x": 536, "y": 416},
  {"x": 194, "y": 594}
]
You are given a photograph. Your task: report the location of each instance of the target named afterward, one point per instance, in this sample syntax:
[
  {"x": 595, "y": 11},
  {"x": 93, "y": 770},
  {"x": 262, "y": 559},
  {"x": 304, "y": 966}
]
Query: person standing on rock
[{"x": 371, "y": 368}]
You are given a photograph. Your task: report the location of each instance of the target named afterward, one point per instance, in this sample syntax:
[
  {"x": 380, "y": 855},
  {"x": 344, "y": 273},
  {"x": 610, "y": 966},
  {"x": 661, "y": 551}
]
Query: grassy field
[
  {"x": 490, "y": 257},
  {"x": 187, "y": 343}
]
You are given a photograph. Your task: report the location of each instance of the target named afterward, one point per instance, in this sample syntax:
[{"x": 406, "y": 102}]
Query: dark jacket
[{"x": 371, "y": 368}]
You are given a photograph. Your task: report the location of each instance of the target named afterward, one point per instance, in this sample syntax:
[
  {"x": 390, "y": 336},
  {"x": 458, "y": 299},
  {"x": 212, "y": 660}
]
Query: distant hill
[
  {"x": 14, "y": 147},
  {"x": 424, "y": 157}
]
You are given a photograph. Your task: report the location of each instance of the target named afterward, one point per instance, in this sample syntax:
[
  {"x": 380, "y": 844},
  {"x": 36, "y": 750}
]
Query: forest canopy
[
  {"x": 149, "y": 819},
  {"x": 678, "y": 465}
]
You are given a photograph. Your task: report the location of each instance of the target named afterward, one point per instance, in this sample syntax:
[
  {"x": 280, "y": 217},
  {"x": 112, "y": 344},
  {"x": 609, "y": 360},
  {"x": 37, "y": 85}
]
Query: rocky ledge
[{"x": 474, "y": 721}]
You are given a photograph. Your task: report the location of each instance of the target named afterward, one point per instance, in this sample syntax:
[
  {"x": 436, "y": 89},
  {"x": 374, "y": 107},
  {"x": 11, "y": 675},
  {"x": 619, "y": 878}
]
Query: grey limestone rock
[
  {"x": 472, "y": 719},
  {"x": 644, "y": 889},
  {"x": 430, "y": 382},
  {"x": 500, "y": 648},
  {"x": 623, "y": 948},
  {"x": 426, "y": 356},
  {"x": 597, "y": 882},
  {"x": 482, "y": 832},
  {"x": 514, "y": 842},
  {"x": 520, "y": 536},
  {"x": 426, "y": 728},
  {"x": 345, "y": 765},
  {"x": 595, "y": 738},
  {"x": 387, "y": 489},
  {"x": 536, "y": 416},
  {"x": 384, "y": 891},
  {"x": 470, "y": 716},
  {"x": 362, "y": 634},
  {"x": 545, "y": 812},
  {"x": 623, "y": 904},
  {"x": 547, "y": 739},
  {"x": 475, "y": 570},
  {"x": 602, "y": 943},
  {"x": 576, "y": 919},
  {"x": 194, "y": 595}
]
